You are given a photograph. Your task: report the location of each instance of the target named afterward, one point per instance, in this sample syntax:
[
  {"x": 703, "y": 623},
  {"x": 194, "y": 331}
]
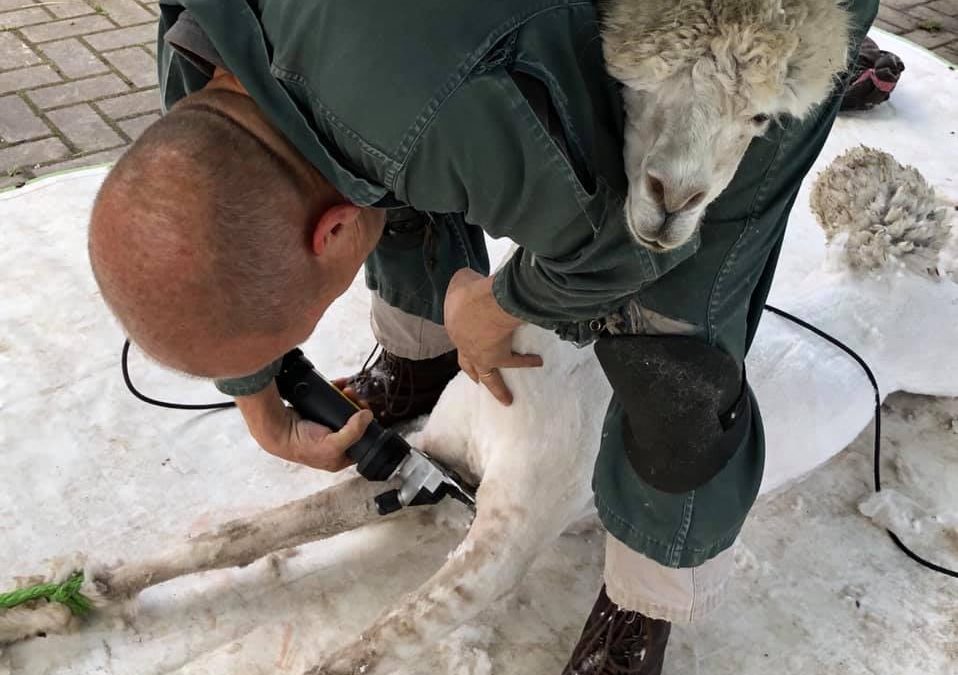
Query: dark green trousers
[{"x": 718, "y": 295}]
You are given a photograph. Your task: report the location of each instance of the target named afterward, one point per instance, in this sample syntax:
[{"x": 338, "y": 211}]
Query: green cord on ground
[{"x": 66, "y": 593}]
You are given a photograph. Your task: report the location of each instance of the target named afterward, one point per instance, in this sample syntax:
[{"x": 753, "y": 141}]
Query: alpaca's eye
[{"x": 760, "y": 119}]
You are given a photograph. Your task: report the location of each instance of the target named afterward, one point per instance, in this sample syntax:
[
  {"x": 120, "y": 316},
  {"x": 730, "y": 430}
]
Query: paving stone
[
  {"x": 897, "y": 18},
  {"x": 929, "y": 17},
  {"x": 73, "y": 58},
  {"x": 131, "y": 104},
  {"x": 18, "y": 122},
  {"x": 900, "y": 4},
  {"x": 29, "y": 154},
  {"x": 8, "y": 182},
  {"x": 26, "y": 78},
  {"x": 949, "y": 7},
  {"x": 9, "y": 5},
  {"x": 929, "y": 40},
  {"x": 84, "y": 128},
  {"x": 135, "y": 126},
  {"x": 948, "y": 53},
  {"x": 884, "y": 25},
  {"x": 123, "y": 37},
  {"x": 124, "y": 12},
  {"x": 69, "y": 8},
  {"x": 23, "y": 17},
  {"x": 80, "y": 90},
  {"x": 14, "y": 53},
  {"x": 104, "y": 157},
  {"x": 56, "y": 30},
  {"x": 134, "y": 64}
]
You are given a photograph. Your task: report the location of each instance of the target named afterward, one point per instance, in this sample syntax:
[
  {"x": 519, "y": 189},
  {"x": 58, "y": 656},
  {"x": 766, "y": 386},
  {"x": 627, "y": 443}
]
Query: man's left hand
[{"x": 482, "y": 332}]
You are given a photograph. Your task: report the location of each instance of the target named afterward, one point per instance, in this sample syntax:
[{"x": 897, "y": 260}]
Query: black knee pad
[{"x": 686, "y": 404}]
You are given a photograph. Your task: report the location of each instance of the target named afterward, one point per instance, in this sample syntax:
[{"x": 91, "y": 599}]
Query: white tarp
[{"x": 86, "y": 467}]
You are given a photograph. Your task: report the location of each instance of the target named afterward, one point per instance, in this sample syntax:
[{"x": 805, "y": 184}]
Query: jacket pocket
[{"x": 535, "y": 98}]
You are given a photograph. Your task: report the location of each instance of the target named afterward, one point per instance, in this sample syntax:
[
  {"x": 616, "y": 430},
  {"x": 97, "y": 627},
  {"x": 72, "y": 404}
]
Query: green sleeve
[
  {"x": 177, "y": 76},
  {"x": 487, "y": 154},
  {"x": 250, "y": 384}
]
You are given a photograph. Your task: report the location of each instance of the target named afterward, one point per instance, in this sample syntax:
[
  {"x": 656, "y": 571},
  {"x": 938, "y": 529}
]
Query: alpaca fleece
[{"x": 879, "y": 211}]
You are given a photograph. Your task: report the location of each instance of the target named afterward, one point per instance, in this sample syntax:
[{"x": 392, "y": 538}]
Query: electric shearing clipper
[{"x": 381, "y": 453}]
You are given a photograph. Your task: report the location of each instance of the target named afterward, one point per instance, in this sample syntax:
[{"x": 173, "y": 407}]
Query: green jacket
[{"x": 416, "y": 102}]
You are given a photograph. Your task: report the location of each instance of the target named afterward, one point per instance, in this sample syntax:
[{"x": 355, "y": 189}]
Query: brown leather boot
[
  {"x": 619, "y": 642},
  {"x": 398, "y": 389}
]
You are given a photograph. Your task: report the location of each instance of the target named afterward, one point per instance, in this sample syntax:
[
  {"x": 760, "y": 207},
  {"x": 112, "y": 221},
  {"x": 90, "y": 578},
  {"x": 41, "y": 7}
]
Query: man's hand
[
  {"x": 282, "y": 432},
  {"x": 482, "y": 332}
]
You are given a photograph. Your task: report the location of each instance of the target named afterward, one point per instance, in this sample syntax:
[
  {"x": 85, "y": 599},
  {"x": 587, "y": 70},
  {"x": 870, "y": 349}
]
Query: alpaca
[{"x": 701, "y": 79}]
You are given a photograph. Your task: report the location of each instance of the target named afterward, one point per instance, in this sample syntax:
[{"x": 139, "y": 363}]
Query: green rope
[{"x": 66, "y": 593}]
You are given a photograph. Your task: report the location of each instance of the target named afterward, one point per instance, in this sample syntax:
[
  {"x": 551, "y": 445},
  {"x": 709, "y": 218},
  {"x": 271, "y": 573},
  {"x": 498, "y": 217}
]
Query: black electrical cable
[
  {"x": 877, "y": 460},
  {"x": 774, "y": 310},
  {"x": 124, "y": 365}
]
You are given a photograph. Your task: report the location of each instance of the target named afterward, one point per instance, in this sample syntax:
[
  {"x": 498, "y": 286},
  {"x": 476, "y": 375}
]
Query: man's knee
[{"x": 686, "y": 405}]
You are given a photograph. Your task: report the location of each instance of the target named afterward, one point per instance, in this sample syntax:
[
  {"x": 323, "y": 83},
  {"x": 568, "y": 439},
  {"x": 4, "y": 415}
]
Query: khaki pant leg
[
  {"x": 681, "y": 595},
  {"x": 406, "y": 335}
]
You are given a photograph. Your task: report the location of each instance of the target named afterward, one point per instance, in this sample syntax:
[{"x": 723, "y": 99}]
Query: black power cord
[
  {"x": 774, "y": 310},
  {"x": 125, "y": 366}
]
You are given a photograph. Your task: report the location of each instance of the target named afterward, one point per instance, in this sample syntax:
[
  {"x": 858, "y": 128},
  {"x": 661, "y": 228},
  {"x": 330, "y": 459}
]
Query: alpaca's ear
[
  {"x": 640, "y": 75},
  {"x": 635, "y": 33},
  {"x": 704, "y": 71},
  {"x": 819, "y": 57}
]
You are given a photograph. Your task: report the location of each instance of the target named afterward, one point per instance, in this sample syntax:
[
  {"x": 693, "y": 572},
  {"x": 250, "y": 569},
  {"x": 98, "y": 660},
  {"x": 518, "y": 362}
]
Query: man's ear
[{"x": 331, "y": 225}]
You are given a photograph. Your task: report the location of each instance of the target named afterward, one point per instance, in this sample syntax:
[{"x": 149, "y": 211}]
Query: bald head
[{"x": 200, "y": 238}]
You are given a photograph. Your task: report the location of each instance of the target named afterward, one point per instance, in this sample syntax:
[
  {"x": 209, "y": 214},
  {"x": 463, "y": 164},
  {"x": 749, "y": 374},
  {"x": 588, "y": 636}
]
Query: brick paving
[
  {"x": 78, "y": 77},
  {"x": 932, "y": 24},
  {"x": 77, "y": 82}
]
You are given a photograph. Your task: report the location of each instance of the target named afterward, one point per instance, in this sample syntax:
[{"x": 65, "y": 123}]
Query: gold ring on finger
[{"x": 488, "y": 373}]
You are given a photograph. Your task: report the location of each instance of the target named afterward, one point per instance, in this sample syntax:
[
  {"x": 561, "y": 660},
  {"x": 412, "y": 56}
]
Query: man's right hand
[{"x": 282, "y": 432}]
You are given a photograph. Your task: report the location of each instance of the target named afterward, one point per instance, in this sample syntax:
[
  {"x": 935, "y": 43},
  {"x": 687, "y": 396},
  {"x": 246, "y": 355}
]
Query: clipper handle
[{"x": 377, "y": 453}]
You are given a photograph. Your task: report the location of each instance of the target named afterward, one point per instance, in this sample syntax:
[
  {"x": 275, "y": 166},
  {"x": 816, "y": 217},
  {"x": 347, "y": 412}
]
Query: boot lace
[{"x": 388, "y": 373}]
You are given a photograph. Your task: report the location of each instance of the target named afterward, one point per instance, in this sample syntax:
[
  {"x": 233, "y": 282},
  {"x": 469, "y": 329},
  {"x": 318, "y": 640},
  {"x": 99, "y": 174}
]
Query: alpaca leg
[
  {"x": 332, "y": 511},
  {"x": 502, "y": 543}
]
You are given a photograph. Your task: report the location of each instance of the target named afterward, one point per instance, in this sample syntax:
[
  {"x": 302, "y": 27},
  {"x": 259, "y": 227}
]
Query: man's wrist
[{"x": 264, "y": 413}]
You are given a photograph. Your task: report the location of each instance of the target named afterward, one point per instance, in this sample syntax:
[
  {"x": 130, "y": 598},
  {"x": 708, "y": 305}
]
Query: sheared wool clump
[{"x": 884, "y": 212}]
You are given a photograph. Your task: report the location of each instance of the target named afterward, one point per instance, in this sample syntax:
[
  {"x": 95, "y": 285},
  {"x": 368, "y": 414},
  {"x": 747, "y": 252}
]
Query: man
[{"x": 307, "y": 139}]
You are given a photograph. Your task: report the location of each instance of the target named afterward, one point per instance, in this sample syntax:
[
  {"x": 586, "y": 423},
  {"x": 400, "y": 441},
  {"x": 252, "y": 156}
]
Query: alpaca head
[
  {"x": 877, "y": 213},
  {"x": 702, "y": 78}
]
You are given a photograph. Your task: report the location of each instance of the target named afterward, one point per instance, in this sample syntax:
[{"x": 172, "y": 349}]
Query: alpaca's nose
[{"x": 673, "y": 196}]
